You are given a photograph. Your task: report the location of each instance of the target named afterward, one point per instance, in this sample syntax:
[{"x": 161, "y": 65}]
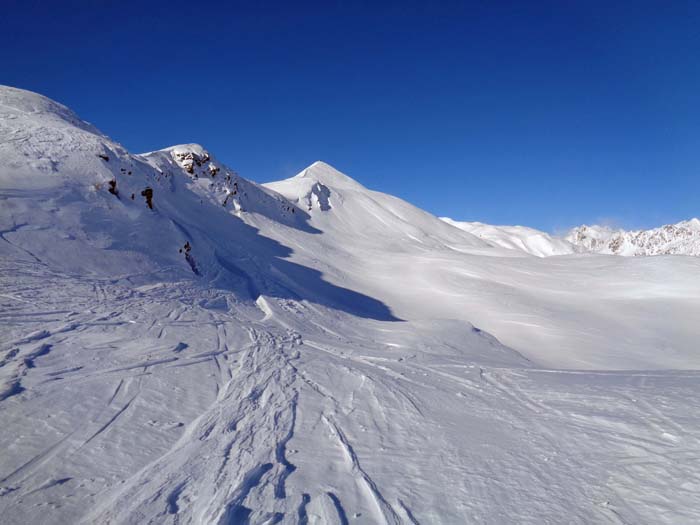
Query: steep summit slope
[{"x": 344, "y": 208}]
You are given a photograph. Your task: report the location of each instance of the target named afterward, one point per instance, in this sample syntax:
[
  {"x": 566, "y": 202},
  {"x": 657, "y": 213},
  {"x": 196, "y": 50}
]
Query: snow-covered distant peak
[
  {"x": 316, "y": 186},
  {"x": 343, "y": 206},
  {"x": 693, "y": 223},
  {"x": 682, "y": 238},
  {"x": 323, "y": 173}
]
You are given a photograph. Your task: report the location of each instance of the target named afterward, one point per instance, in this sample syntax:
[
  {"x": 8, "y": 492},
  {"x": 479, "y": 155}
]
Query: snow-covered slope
[
  {"x": 558, "y": 312},
  {"x": 342, "y": 207},
  {"x": 682, "y": 238},
  {"x": 528, "y": 240},
  {"x": 311, "y": 351},
  {"x": 79, "y": 202}
]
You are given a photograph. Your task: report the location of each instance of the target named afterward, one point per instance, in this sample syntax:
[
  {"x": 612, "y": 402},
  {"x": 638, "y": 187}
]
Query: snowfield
[{"x": 181, "y": 345}]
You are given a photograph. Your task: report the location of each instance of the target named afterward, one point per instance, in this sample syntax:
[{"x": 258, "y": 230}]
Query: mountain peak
[
  {"x": 327, "y": 175},
  {"x": 682, "y": 238},
  {"x": 188, "y": 148},
  {"x": 15, "y": 102},
  {"x": 693, "y": 223}
]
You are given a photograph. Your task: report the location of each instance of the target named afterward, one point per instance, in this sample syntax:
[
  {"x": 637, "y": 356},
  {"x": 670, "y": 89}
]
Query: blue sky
[{"x": 547, "y": 114}]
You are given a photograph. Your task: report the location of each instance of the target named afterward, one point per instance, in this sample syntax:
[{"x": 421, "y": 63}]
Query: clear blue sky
[{"x": 541, "y": 113}]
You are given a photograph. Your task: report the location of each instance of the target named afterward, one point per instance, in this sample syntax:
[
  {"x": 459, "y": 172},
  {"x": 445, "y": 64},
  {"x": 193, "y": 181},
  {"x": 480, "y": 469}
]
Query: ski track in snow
[
  {"x": 182, "y": 346},
  {"x": 281, "y": 429}
]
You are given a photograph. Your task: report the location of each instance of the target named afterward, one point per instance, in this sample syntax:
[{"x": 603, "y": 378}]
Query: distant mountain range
[{"x": 682, "y": 238}]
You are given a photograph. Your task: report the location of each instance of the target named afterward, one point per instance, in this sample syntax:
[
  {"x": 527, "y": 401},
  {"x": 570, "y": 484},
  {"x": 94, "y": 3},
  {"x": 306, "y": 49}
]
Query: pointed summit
[
  {"x": 320, "y": 186},
  {"x": 327, "y": 175}
]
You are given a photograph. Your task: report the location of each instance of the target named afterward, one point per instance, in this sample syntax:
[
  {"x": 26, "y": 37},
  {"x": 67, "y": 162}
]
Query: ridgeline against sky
[{"x": 548, "y": 114}]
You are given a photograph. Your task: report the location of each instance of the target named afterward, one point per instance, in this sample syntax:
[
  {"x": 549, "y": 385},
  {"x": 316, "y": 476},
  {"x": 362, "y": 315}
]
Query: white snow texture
[{"x": 181, "y": 345}]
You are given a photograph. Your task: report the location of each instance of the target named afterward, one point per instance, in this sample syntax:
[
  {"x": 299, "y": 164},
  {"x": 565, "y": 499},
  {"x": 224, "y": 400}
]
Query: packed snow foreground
[{"x": 181, "y": 345}]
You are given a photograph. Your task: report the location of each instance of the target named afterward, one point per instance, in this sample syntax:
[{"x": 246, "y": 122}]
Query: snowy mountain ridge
[
  {"x": 182, "y": 345},
  {"x": 522, "y": 238},
  {"x": 682, "y": 238}
]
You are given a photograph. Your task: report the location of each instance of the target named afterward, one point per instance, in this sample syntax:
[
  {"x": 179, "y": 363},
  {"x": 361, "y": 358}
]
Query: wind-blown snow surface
[
  {"x": 521, "y": 238},
  {"x": 307, "y": 352}
]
